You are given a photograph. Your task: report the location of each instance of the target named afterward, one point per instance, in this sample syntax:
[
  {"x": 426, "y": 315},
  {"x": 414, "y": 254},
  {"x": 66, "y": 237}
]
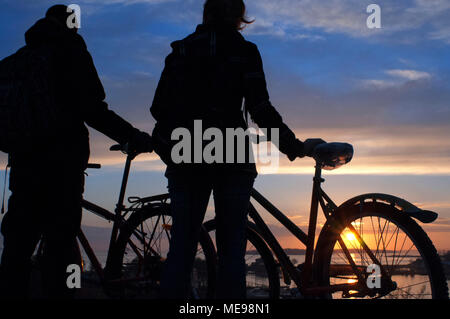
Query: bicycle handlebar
[
  {"x": 118, "y": 147},
  {"x": 126, "y": 150},
  {"x": 94, "y": 166}
]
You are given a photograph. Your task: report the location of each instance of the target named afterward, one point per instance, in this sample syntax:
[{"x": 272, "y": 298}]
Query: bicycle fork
[
  {"x": 307, "y": 271},
  {"x": 318, "y": 196}
]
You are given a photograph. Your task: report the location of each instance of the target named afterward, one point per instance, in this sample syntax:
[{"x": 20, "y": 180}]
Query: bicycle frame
[
  {"x": 117, "y": 218},
  {"x": 303, "y": 279},
  {"x": 105, "y": 214}
]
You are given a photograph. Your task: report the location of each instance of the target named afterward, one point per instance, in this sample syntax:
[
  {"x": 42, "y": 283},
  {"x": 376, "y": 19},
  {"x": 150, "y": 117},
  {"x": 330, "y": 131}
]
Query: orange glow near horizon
[
  {"x": 411, "y": 151},
  {"x": 391, "y": 151},
  {"x": 439, "y": 239},
  {"x": 152, "y": 163}
]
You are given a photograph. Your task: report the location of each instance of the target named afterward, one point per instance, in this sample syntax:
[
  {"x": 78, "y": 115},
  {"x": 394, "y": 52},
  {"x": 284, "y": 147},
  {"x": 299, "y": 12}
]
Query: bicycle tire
[
  {"x": 334, "y": 227},
  {"x": 151, "y": 211},
  {"x": 264, "y": 251}
]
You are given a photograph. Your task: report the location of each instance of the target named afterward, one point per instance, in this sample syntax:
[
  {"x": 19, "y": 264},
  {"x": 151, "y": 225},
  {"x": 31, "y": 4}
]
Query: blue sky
[{"x": 385, "y": 91}]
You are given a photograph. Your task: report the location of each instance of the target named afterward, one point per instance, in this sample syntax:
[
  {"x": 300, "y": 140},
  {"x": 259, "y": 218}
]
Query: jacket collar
[{"x": 220, "y": 28}]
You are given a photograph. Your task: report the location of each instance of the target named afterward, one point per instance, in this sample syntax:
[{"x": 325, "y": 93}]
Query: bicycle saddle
[{"x": 333, "y": 155}]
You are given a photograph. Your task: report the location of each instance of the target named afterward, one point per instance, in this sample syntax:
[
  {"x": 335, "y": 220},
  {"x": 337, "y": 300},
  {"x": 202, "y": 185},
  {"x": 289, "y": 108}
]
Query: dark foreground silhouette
[
  {"x": 47, "y": 165},
  {"x": 207, "y": 77}
]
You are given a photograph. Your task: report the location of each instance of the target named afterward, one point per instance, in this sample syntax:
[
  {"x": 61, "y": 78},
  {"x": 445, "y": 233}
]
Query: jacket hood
[{"x": 46, "y": 31}]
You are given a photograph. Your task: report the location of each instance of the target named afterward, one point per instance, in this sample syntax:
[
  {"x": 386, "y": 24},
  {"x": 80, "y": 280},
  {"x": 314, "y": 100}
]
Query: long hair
[{"x": 226, "y": 12}]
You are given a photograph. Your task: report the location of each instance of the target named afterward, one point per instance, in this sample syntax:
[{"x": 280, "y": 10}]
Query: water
[
  {"x": 419, "y": 283},
  {"x": 254, "y": 281}
]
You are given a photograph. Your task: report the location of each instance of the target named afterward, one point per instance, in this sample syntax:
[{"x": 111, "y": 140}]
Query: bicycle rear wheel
[
  {"x": 142, "y": 248},
  {"x": 412, "y": 266}
]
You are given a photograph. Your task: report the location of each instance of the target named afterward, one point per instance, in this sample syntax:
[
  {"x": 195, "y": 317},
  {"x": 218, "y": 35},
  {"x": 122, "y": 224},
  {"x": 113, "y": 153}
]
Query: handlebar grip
[
  {"x": 94, "y": 166},
  {"x": 116, "y": 148}
]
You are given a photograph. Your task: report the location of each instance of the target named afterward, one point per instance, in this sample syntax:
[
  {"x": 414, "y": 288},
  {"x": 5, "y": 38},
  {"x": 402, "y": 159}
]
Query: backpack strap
[{"x": 4, "y": 185}]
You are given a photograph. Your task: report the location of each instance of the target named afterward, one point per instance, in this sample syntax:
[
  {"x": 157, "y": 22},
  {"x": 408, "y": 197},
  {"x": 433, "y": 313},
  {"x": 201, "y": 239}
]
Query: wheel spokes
[{"x": 398, "y": 256}]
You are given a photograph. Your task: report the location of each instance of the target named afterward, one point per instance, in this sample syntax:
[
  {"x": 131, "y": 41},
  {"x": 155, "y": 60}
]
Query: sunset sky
[{"x": 385, "y": 91}]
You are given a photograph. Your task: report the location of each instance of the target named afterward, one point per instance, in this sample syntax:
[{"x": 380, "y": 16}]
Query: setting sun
[{"x": 350, "y": 237}]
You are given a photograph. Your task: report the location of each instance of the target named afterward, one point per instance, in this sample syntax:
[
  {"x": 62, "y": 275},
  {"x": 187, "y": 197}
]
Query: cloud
[
  {"x": 397, "y": 78},
  {"x": 263, "y": 26},
  {"x": 329, "y": 15},
  {"x": 379, "y": 84},
  {"x": 410, "y": 75},
  {"x": 441, "y": 34},
  {"x": 407, "y": 20}
]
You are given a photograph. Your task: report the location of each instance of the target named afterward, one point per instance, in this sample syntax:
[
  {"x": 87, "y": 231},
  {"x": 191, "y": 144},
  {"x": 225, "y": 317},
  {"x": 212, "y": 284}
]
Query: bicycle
[
  {"x": 138, "y": 245},
  {"x": 137, "y": 251},
  {"x": 356, "y": 240}
]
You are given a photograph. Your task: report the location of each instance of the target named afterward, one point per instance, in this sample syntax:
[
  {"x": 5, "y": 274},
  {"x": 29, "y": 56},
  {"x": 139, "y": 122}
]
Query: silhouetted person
[
  {"x": 47, "y": 180},
  {"x": 207, "y": 77}
]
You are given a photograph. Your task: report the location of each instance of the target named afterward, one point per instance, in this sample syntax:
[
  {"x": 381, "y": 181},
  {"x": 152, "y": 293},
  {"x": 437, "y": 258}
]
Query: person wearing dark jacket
[
  {"x": 207, "y": 77},
  {"x": 47, "y": 180}
]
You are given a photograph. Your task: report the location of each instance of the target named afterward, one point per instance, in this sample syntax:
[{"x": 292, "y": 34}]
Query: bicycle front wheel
[{"x": 409, "y": 265}]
